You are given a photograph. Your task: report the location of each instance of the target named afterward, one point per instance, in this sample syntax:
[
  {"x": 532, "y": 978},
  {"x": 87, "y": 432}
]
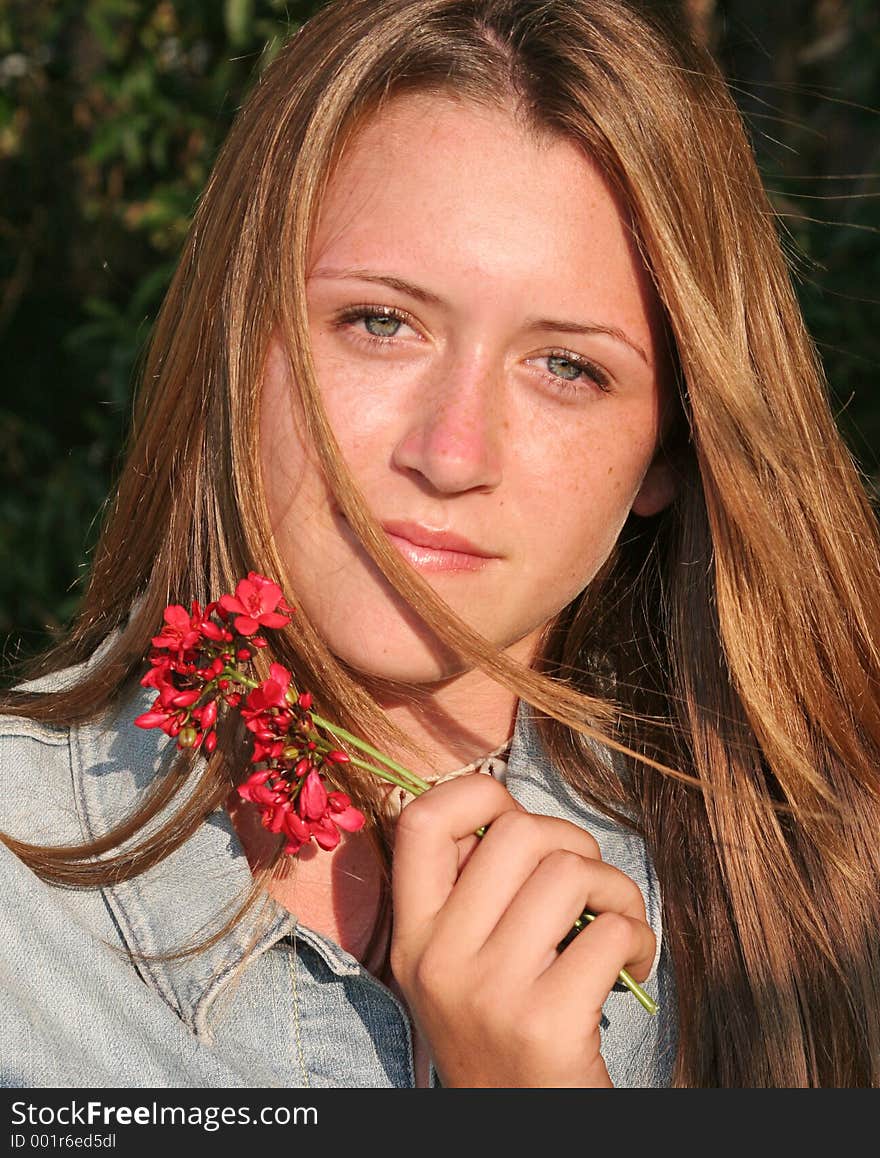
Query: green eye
[
  {"x": 371, "y": 321},
  {"x": 569, "y": 373},
  {"x": 381, "y": 325},
  {"x": 564, "y": 367}
]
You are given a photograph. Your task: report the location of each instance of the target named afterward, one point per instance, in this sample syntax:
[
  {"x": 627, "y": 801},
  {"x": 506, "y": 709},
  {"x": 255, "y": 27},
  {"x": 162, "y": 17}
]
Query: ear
[{"x": 659, "y": 486}]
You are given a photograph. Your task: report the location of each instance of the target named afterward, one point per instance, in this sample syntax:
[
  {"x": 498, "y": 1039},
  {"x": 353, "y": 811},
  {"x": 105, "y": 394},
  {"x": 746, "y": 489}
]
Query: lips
[
  {"x": 436, "y": 551},
  {"x": 427, "y": 549},
  {"x": 436, "y": 541}
]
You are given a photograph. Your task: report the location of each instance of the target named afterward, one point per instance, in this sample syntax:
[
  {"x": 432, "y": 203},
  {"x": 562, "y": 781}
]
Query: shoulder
[
  {"x": 37, "y": 802},
  {"x": 67, "y": 976},
  {"x": 36, "y": 784},
  {"x": 37, "y": 768},
  {"x": 73, "y": 1009},
  {"x": 64, "y": 783}
]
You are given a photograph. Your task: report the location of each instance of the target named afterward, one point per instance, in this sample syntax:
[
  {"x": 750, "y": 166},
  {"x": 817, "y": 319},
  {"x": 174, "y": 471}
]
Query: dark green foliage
[
  {"x": 806, "y": 74},
  {"x": 111, "y": 112}
]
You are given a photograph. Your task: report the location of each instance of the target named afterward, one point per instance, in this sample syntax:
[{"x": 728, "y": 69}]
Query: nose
[{"x": 453, "y": 430}]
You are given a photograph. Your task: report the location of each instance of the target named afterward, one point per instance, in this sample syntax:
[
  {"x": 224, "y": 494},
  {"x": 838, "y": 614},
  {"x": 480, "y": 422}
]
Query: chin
[
  {"x": 393, "y": 661},
  {"x": 382, "y": 637},
  {"x": 402, "y": 662}
]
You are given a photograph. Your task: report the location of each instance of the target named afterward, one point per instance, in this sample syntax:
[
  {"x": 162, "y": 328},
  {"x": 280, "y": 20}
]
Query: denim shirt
[{"x": 270, "y": 1004}]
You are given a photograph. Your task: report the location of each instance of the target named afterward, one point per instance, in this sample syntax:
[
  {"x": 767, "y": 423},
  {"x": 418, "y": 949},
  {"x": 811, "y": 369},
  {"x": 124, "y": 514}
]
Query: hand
[{"x": 476, "y": 925}]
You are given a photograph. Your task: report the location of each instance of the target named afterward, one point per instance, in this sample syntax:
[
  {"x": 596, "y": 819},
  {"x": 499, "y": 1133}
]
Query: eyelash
[{"x": 565, "y": 386}]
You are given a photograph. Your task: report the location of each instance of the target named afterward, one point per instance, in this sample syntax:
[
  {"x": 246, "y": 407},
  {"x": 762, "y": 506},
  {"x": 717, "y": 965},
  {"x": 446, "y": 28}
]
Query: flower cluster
[
  {"x": 288, "y": 786},
  {"x": 198, "y": 669},
  {"x": 198, "y": 666}
]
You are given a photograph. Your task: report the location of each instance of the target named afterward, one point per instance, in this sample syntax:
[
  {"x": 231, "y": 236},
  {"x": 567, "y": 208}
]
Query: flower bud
[
  {"x": 187, "y": 737},
  {"x": 186, "y": 699}
]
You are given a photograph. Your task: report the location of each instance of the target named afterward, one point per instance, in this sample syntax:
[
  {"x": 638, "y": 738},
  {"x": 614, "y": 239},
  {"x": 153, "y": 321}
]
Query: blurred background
[{"x": 111, "y": 112}]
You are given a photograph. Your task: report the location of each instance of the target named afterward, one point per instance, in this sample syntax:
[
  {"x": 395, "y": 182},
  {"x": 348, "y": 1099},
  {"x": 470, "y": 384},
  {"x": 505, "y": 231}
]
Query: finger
[
  {"x": 589, "y": 967},
  {"x": 510, "y": 852},
  {"x": 426, "y": 863},
  {"x": 546, "y": 906}
]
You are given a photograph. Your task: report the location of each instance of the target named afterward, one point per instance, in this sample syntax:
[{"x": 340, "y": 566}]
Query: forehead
[
  {"x": 429, "y": 152},
  {"x": 449, "y": 188}
]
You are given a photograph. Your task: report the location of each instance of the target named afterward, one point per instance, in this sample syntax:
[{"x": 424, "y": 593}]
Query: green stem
[
  {"x": 623, "y": 977},
  {"x": 636, "y": 990},
  {"x": 385, "y": 774},
  {"x": 412, "y": 781}
]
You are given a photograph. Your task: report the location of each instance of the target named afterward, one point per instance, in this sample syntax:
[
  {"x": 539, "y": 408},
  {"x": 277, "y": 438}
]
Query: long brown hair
[{"x": 729, "y": 645}]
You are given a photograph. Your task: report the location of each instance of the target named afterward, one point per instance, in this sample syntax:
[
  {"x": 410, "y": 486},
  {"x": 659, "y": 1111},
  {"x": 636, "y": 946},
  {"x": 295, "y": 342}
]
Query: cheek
[
  {"x": 574, "y": 515},
  {"x": 284, "y": 457},
  {"x": 297, "y": 494},
  {"x": 361, "y": 412}
]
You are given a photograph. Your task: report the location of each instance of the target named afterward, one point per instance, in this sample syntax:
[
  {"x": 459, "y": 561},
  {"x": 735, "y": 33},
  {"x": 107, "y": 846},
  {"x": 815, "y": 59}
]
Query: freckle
[{"x": 610, "y": 469}]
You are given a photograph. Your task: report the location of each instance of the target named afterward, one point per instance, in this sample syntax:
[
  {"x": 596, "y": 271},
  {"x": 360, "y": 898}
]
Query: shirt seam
[{"x": 297, "y": 1029}]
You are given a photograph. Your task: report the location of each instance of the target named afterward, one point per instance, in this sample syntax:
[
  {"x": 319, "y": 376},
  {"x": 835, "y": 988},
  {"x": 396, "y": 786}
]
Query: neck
[{"x": 455, "y": 722}]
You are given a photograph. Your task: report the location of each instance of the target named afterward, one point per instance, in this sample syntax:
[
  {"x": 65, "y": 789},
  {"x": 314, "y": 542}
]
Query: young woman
[{"x": 483, "y": 345}]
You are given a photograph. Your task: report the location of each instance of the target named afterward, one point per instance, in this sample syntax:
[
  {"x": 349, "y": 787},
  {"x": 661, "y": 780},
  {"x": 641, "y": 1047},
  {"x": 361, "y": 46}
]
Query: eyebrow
[{"x": 429, "y": 298}]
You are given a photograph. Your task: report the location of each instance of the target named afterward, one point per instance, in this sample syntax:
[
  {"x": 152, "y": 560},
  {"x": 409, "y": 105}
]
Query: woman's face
[{"x": 489, "y": 356}]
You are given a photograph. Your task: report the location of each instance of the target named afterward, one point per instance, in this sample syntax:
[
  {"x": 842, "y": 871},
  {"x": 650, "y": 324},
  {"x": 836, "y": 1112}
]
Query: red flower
[
  {"x": 343, "y": 813},
  {"x": 208, "y": 714},
  {"x": 256, "y": 790},
  {"x": 326, "y": 812},
  {"x": 266, "y": 750},
  {"x": 312, "y": 800},
  {"x": 297, "y": 833},
  {"x": 257, "y": 602},
  {"x": 159, "y": 675},
  {"x": 183, "y": 630},
  {"x": 316, "y": 814},
  {"x": 152, "y": 719},
  {"x": 261, "y": 711},
  {"x": 274, "y": 689}
]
